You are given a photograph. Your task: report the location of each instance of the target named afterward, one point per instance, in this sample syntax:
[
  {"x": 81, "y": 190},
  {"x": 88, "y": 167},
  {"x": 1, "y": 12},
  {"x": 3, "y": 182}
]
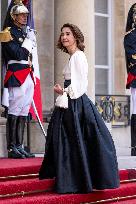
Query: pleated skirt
[{"x": 79, "y": 151}]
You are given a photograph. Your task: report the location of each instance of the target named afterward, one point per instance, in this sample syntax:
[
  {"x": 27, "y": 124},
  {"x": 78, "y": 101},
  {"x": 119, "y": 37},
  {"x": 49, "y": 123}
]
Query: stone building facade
[{"x": 103, "y": 24}]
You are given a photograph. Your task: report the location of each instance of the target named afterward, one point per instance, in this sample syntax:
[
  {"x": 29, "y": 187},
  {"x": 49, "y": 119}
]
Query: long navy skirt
[{"x": 79, "y": 151}]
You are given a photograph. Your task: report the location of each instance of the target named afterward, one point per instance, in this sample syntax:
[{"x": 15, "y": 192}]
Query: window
[{"x": 103, "y": 44}]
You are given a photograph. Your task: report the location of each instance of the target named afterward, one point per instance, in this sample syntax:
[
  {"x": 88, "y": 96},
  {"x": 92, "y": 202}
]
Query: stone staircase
[{"x": 37, "y": 142}]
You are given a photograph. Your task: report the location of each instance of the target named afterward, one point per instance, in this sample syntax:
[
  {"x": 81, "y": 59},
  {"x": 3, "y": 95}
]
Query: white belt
[{"x": 17, "y": 62}]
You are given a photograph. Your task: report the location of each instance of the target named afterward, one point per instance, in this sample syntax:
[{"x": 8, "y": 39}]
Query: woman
[{"x": 79, "y": 151}]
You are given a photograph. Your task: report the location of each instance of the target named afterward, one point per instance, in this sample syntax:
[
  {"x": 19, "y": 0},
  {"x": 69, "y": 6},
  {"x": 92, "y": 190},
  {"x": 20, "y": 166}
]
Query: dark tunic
[
  {"x": 130, "y": 51},
  {"x": 79, "y": 150},
  {"x": 12, "y": 50}
]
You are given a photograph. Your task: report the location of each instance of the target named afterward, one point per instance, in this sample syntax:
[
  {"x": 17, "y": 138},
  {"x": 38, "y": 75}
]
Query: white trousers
[
  {"x": 133, "y": 95},
  {"x": 20, "y": 98}
]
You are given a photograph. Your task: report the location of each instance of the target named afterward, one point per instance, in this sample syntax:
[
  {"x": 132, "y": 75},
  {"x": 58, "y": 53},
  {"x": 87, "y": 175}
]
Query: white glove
[
  {"x": 31, "y": 35},
  {"x": 28, "y": 44},
  {"x": 30, "y": 40},
  {"x": 5, "y": 97}
]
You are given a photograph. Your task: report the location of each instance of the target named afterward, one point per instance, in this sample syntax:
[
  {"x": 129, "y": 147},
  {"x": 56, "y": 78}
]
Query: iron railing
[{"x": 114, "y": 108}]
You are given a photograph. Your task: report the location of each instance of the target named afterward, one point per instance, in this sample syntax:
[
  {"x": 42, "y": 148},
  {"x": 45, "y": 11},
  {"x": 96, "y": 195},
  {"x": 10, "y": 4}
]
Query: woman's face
[{"x": 67, "y": 38}]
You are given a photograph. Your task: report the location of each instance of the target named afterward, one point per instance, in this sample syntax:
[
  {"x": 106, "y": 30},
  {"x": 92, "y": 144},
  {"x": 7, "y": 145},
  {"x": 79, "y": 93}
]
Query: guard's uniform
[
  {"x": 130, "y": 51},
  {"x": 19, "y": 74},
  {"x": 16, "y": 52}
]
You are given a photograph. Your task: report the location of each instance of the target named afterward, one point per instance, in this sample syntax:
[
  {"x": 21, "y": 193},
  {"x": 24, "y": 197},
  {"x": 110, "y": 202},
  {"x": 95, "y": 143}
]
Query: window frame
[{"x": 108, "y": 67}]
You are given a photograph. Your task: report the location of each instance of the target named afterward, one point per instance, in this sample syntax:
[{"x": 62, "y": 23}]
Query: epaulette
[
  {"x": 5, "y": 35},
  {"x": 129, "y": 31}
]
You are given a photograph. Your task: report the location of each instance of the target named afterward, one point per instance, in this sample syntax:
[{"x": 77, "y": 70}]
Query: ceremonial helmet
[
  {"x": 131, "y": 19},
  {"x": 17, "y": 9}
]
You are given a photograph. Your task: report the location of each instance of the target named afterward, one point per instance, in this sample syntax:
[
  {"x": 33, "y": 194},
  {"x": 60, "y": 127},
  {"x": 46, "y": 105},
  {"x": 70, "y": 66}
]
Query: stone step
[{"x": 126, "y": 162}]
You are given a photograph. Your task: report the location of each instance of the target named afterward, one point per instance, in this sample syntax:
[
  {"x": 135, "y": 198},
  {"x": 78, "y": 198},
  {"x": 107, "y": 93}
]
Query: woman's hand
[{"x": 58, "y": 89}]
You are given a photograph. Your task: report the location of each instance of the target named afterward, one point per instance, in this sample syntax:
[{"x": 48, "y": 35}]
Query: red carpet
[
  {"x": 125, "y": 202},
  {"x": 29, "y": 190},
  {"x": 19, "y": 166},
  {"x": 26, "y": 185}
]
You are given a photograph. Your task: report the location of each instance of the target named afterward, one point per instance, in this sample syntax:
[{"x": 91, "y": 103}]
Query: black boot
[
  {"x": 133, "y": 135},
  {"x": 20, "y": 135},
  {"x": 11, "y": 137}
]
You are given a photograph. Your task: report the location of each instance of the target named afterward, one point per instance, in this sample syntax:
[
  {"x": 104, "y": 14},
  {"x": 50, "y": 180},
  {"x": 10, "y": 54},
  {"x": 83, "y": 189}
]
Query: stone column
[
  {"x": 80, "y": 13},
  {"x": 118, "y": 48},
  {"x": 44, "y": 24}
]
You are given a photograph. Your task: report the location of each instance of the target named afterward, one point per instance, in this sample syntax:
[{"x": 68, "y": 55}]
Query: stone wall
[
  {"x": 118, "y": 50},
  {"x": 44, "y": 24},
  {"x": 81, "y": 13}
]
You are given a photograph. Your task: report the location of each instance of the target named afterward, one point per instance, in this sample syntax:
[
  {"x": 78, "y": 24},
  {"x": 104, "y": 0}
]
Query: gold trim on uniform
[
  {"x": 5, "y": 35},
  {"x": 18, "y": 1}
]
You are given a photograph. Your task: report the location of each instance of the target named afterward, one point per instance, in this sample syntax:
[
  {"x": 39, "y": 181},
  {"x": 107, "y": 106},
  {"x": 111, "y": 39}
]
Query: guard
[
  {"x": 19, "y": 79},
  {"x": 130, "y": 51}
]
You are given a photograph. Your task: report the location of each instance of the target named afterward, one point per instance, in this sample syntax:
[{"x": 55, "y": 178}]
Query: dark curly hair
[{"x": 78, "y": 35}]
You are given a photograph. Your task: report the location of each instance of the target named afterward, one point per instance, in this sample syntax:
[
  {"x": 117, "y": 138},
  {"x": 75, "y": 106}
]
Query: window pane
[
  {"x": 101, "y": 81},
  {"x": 101, "y": 6},
  {"x": 101, "y": 40}
]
